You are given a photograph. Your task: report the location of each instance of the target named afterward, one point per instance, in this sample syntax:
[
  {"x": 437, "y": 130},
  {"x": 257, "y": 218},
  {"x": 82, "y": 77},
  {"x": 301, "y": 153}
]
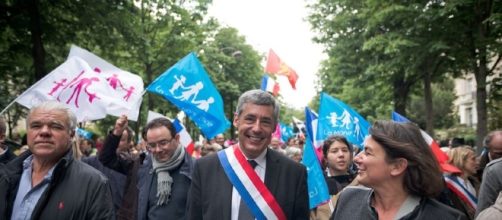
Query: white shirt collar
[{"x": 261, "y": 159}]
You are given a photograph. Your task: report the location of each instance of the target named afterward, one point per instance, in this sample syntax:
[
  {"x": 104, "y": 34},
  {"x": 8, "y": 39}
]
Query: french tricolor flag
[
  {"x": 270, "y": 85},
  {"x": 185, "y": 138}
]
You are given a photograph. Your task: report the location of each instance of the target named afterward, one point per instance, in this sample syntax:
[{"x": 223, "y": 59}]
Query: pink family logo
[
  {"x": 80, "y": 83},
  {"x": 114, "y": 81}
]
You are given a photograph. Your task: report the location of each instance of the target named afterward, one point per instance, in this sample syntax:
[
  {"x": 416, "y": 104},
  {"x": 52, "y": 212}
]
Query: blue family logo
[
  {"x": 188, "y": 93},
  {"x": 345, "y": 122}
]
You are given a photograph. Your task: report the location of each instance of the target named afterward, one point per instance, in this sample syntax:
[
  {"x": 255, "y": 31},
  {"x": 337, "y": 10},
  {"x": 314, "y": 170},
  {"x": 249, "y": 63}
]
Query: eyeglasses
[{"x": 161, "y": 144}]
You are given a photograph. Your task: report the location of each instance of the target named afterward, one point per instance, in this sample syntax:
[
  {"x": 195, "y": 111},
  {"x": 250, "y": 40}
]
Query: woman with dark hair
[
  {"x": 338, "y": 155},
  {"x": 402, "y": 177}
]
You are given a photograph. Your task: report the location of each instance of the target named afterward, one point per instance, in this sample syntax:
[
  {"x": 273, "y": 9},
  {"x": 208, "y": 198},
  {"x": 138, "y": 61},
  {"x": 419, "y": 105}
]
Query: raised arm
[{"x": 108, "y": 155}]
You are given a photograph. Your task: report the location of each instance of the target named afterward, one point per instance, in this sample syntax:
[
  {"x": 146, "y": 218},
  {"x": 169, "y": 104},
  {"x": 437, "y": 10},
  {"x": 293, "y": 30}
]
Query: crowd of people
[{"x": 393, "y": 176}]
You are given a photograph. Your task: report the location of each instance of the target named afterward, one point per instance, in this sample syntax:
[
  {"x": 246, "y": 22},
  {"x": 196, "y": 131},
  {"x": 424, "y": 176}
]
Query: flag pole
[
  {"x": 8, "y": 106},
  {"x": 29, "y": 89}
]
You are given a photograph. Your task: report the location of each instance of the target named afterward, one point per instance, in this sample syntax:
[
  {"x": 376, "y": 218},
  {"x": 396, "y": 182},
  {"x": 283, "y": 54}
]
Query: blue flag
[
  {"x": 317, "y": 187},
  {"x": 84, "y": 133},
  {"x": 398, "y": 118},
  {"x": 286, "y": 132},
  {"x": 336, "y": 117},
  {"x": 187, "y": 85}
]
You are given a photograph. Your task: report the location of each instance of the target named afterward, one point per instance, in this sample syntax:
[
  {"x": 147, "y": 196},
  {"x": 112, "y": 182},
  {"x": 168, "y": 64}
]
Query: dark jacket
[
  {"x": 77, "y": 191},
  {"x": 354, "y": 203},
  {"x": 117, "y": 180},
  {"x": 337, "y": 183},
  {"x": 484, "y": 159},
  {"x": 140, "y": 176},
  {"x": 211, "y": 191},
  {"x": 7, "y": 155}
]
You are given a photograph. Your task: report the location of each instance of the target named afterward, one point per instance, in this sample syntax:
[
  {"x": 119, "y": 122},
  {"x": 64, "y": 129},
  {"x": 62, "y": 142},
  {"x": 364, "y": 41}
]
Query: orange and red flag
[{"x": 276, "y": 66}]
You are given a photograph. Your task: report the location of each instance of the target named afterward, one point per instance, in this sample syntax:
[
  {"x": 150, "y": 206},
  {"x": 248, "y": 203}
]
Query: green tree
[
  {"x": 387, "y": 49},
  {"x": 143, "y": 37},
  {"x": 495, "y": 104},
  {"x": 233, "y": 64},
  {"x": 478, "y": 47},
  {"x": 345, "y": 74},
  {"x": 163, "y": 32},
  {"x": 36, "y": 36},
  {"x": 444, "y": 115}
]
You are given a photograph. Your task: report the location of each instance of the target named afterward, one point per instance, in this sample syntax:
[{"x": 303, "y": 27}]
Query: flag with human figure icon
[
  {"x": 90, "y": 86},
  {"x": 187, "y": 85},
  {"x": 336, "y": 117}
]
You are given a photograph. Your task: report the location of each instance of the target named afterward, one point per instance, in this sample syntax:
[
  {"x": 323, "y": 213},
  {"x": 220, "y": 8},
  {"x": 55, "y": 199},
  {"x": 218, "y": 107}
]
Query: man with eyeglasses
[{"x": 157, "y": 184}]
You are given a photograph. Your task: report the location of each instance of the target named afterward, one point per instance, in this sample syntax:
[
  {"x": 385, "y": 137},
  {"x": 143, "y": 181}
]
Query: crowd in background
[{"x": 395, "y": 173}]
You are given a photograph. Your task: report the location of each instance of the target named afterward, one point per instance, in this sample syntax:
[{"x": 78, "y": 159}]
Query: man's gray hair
[
  {"x": 489, "y": 137},
  {"x": 293, "y": 151},
  {"x": 56, "y": 106},
  {"x": 258, "y": 97}
]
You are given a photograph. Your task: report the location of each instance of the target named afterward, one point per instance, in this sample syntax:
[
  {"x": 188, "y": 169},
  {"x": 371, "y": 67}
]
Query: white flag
[
  {"x": 75, "y": 84},
  {"x": 90, "y": 86},
  {"x": 127, "y": 88}
]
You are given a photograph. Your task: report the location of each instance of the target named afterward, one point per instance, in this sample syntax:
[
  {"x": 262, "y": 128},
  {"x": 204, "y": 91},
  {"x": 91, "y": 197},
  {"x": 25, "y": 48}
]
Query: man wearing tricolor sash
[{"x": 248, "y": 181}]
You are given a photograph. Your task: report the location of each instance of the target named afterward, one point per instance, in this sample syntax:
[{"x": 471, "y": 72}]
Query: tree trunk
[
  {"x": 232, "y": 128},
  {"x": 10, "y": 124},
  {"x": 401, "y": 90},
  {"x": 429, "y": 111},
  {"x": 481, "y": 95},
  {"x": 148, "y": 72},
  {"x": 482, "y": 32},
  {"x": 38, "y": 51}
]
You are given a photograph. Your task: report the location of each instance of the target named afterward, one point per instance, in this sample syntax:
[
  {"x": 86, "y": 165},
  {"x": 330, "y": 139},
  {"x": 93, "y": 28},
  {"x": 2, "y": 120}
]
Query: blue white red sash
[
  {"x": 453, "y": 183},
  {"x": 249, "y": 185}
]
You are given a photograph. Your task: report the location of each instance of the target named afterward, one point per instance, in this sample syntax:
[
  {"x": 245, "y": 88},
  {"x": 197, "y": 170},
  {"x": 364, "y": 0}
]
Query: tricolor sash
[
  {"x": 253, "y": 191},
  {"x": 460, "y": 190}
]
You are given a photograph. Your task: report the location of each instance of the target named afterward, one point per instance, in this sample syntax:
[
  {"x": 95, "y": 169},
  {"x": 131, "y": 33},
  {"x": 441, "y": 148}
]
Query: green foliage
[
  {"x": 460, "y": 131},
  {"x": 234, "y": 66},
  {"x": 495, "y": 104},
  {"x": 444, "y": 114},
  {"x": 383, "y": 55},
  {"x": 143, "y": 37}
]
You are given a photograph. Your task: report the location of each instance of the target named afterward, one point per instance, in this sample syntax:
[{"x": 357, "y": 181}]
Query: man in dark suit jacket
[{"x": 212, "y": 195}]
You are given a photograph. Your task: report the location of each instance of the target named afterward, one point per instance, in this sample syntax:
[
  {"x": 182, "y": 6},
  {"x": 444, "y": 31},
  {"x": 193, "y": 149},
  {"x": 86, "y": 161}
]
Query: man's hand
[{"x": 120, "y": 125}]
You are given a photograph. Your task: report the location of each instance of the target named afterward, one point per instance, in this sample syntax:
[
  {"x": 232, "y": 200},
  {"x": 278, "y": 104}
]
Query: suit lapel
[
  {"x": 272, "y": 171},
  {"x": 225, "y": 193}
]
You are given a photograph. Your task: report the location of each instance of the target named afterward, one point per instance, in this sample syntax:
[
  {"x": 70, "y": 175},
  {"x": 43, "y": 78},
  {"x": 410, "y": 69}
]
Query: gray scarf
[{"x": 164, "y": 179}]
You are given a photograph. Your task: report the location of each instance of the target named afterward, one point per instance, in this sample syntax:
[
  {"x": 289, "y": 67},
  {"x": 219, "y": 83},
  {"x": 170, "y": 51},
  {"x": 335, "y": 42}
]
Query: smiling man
[
  {"x": 46, "y": 182},
  {"x": 249, "y": 180}
]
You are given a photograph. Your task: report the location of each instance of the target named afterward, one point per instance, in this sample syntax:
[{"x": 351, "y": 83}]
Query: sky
[{"x": 279, "y": 25}]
